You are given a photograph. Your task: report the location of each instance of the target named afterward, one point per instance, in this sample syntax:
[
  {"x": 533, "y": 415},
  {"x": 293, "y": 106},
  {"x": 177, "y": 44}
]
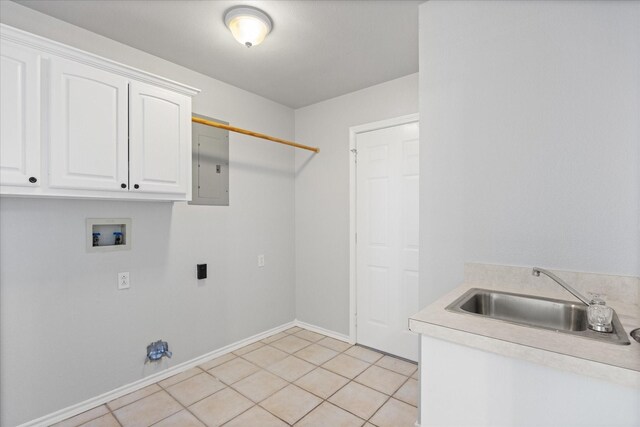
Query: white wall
[
  {"x": 322, "y": 195},
  {"x": 67, "y": 334},
  {"x": 530, "y": 138}
]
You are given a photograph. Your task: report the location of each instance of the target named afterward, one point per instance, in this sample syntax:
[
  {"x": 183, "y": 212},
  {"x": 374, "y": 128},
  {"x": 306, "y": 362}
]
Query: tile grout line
[
  {"x": 387, "y": 401},
  {"x": 165, "y": 389},
  {"x": 215, "y": 392},
  {"x": 287, "y": 381},
  {"x": 390, "y": 397},
  {"x": 402, "y": 385},
  {"x": 322, "y": 400},
  {"x": 87, "y": 421},
  {"x": 114, "y": 417},
  {"x": 132, "y": 402},
  {"x": 230, "y": 385},
  {"x": 349, "y": 380}
]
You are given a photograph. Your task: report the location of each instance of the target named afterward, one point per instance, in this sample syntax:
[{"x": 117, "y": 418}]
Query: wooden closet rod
[{"x": 255, "y": 134}]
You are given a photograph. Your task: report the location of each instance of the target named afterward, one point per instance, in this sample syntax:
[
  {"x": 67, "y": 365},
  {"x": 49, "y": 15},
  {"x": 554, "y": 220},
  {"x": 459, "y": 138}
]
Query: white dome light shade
[{"x": 248, "y": 25}]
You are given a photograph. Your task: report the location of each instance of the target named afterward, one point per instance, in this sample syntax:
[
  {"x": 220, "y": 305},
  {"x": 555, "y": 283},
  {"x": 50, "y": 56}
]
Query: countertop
[{"x": 616, "y": 363}]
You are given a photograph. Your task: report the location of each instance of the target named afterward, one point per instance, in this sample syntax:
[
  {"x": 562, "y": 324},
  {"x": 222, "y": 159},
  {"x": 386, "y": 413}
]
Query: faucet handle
[
  {"x": 597, "y": 298},
  {"x": 599, "y": 314}
]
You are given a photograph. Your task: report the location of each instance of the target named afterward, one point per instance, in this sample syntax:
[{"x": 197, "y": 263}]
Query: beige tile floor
[{"x": 296, "y": 377}]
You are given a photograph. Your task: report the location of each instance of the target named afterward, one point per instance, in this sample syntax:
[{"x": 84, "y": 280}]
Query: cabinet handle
[
  {"x": 33, "y": 180},
  {"x": 136, "y": 186},
  {"x": 123, "y": 185}
]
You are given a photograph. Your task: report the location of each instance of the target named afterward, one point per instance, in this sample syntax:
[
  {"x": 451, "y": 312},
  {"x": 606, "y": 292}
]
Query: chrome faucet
[
  {"x": 599, "y": 315},
  {"x": 536, "y": 272}
]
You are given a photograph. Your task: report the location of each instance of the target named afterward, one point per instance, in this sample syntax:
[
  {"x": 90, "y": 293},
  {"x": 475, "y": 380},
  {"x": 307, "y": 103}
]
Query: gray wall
[
  {"x": 322, "y": 195},
  {"x": 67, "y": 334},
  {"x": 530, "y": 144}
]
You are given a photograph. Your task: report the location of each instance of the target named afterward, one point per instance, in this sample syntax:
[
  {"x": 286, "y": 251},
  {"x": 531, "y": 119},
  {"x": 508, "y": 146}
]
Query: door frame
[{"x": 354, "y": 131}]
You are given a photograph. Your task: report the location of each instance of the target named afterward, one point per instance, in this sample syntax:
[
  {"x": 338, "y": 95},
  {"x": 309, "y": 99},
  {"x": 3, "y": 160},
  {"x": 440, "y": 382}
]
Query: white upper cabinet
[
  {"x": 159, "y": 139},
  {"x": 76, "y": 125},
  {"x": 19, "y": 116},
  {"x": 88, "y": 141}
]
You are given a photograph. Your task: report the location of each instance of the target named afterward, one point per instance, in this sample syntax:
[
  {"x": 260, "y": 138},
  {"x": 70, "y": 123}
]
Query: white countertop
[{"x": 617, "y": 363}]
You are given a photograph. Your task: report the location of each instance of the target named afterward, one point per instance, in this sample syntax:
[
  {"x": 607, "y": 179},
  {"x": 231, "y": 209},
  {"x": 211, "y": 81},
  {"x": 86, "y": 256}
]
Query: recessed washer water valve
[
  {"x": 157, "y": 350},
  {"x": 117, "y": 237}
]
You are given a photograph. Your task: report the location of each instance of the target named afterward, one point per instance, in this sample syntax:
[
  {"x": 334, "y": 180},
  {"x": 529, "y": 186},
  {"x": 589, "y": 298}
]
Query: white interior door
[{"x": 387, "y": 238}]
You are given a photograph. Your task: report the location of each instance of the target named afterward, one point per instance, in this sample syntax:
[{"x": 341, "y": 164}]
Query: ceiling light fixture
[{"x": 248, "y": 25}]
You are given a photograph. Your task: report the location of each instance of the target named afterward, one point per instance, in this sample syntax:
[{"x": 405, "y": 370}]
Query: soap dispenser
[{"x": 599, "y": 314}]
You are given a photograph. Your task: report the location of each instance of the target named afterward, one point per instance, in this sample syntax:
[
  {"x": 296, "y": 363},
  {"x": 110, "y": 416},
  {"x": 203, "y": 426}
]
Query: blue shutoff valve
[
  {"x": 157, "y": 350},
  {"x": 117, "y": 237}
]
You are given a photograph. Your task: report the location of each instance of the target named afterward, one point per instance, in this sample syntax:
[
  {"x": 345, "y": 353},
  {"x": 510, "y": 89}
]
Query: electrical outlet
[
  {"x": 123, "y": 280},
  {"x": 260, "y": 260}
]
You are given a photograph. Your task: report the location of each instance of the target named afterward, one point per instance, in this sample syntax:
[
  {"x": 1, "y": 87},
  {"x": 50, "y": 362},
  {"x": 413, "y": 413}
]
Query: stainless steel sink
[{"x": 537, "y": 312}]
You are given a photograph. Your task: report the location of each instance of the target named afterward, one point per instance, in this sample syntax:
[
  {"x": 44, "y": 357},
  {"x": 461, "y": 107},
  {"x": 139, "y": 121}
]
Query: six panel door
[
  {"x": 160, "y": 140},
  {"x": 19, "y": 116},
  {"x": 387, "y": 238},
  {"x": 88, "y": 147}
]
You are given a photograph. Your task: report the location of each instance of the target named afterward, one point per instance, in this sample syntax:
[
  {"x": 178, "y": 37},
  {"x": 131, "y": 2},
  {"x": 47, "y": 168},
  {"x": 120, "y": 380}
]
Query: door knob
[
  {"x": 33, "y": 180},
  {"x": 123, "y": 185},
  {"x": 136, "y": 186}
]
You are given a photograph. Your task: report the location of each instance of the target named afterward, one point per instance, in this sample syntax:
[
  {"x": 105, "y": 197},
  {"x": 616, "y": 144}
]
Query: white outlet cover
[
  {"x": 123, "y": 281},
  {"x": 260, "y": 260}
]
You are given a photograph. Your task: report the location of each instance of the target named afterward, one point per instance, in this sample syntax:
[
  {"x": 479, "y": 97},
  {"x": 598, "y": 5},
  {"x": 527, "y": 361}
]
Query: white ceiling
[{"x": 317, "y": 49}]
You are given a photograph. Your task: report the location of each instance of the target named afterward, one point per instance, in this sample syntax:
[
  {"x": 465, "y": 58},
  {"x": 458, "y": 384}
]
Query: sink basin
[{"x": 537, "y": 312}]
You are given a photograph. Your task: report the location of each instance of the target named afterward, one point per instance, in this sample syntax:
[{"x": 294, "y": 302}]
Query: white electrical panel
[{"x": 210, "y": 164}]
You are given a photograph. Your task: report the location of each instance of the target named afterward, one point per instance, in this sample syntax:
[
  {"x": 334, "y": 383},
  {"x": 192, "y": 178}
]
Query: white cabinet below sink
[
  {"x": 76, "y": 125},
  {"x": 464, "y": 386}
]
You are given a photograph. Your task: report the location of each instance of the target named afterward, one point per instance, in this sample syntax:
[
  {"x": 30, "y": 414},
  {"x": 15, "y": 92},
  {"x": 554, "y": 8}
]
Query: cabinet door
[
  {"x": 88, "y": 119},
  {"x": 19, "y": 116},
  {"x": 159, "y": 140}
]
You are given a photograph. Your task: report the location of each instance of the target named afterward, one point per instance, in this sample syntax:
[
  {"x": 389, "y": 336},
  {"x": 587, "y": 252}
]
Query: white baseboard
[
  {"x": 323, "y": 331},
  {"x": 81, "y": 407}
]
